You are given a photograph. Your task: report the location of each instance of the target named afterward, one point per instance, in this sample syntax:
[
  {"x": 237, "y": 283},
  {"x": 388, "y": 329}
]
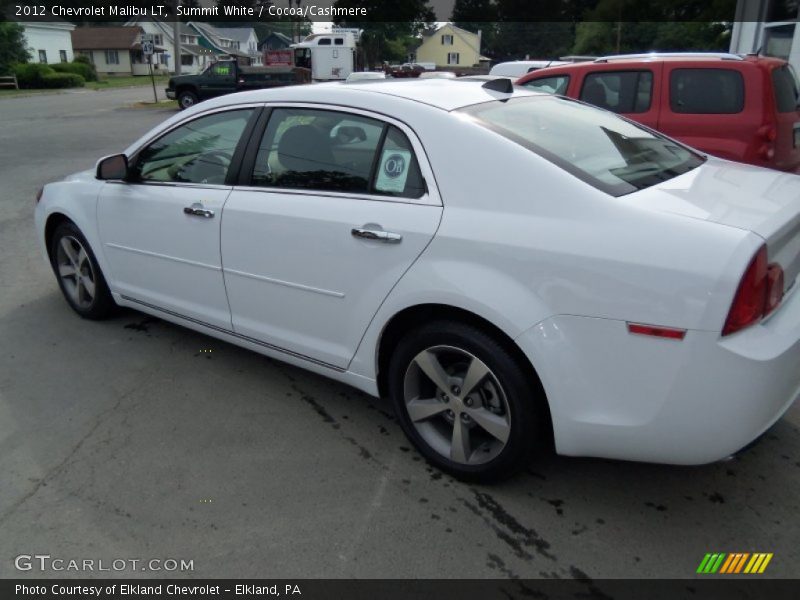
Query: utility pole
[{"x": 176, "y": 39}]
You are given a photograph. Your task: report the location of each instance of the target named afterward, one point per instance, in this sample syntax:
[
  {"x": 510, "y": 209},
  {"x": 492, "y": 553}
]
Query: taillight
[
  {"x": 760, "y": 292},
  {"x": 39, "y": 194},
  {"x": 768, "y": 132}
]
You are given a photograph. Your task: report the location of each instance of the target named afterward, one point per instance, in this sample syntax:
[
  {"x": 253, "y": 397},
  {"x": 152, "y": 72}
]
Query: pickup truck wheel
[{"x": 187, "y": 99}]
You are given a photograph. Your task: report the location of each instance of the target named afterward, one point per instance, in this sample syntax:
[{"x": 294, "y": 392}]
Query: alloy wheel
[
  {"x": 457, "y": 405},
  {"x": 75, "y": 271}
]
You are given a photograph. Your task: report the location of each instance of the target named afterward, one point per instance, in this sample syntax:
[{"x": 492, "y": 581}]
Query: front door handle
[
  {"x": 197, "y": 210},
  {"x": 378, "y": 235}
]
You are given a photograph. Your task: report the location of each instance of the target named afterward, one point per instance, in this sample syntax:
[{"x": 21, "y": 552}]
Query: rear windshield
[
  {"x": 599, "y": 147},
  {"x": 785, "y": 85}
]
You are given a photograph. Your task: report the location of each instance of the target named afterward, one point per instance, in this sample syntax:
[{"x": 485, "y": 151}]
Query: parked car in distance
[
  {"x": 638, "y": 301},
  {"x": 227, "y": 77},
  {"x": 365, "y": 75},
  {"x": 742, "y": 108},
  {"x": 438, "y": 75},
  {"x": 518, "y": 68}
]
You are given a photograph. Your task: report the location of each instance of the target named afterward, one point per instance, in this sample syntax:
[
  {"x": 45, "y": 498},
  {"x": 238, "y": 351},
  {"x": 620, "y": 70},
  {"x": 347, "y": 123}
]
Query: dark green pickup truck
[{"x": 227, "y": 76}]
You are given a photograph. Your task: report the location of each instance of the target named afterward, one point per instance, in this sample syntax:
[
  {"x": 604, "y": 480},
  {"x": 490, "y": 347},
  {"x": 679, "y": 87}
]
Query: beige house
[
  {"x": 113, "y": 50},
  {"x": 450, "y": 46}
]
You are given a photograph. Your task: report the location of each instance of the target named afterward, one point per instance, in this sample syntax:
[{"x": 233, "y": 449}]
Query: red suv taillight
[{"x": 760, "y": 292}]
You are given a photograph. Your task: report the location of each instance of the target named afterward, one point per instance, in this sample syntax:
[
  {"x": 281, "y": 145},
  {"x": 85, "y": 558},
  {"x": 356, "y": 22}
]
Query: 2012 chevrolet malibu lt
[{"x": 510, "y": 268}]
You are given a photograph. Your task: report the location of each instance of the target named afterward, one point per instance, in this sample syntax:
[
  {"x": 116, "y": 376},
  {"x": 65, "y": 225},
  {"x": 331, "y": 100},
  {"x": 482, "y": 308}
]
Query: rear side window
[
  {"x": 557, "y": 84},
  {"x": 706, "y": 91},
  {"x": 784, "y": 85},
  {"x": 619, "y": 91},
  {"x": 334, "y": 151}
]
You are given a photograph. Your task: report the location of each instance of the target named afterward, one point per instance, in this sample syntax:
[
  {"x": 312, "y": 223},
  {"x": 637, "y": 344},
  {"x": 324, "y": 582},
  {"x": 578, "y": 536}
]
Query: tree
[
  {"x": 389, "y": 23},
  {"x": 13, "y": 47},
  {"x": 475, "y": 16},
  {"x": 608, "y": 37}
]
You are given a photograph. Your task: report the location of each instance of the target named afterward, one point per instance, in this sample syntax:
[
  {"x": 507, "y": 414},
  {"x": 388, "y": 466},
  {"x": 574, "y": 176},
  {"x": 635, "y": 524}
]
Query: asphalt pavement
[{"x": 137, "y": 439}]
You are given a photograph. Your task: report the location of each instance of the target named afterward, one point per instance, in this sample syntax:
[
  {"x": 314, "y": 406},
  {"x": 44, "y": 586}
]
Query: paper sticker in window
[{"x": 393, "y": 171}]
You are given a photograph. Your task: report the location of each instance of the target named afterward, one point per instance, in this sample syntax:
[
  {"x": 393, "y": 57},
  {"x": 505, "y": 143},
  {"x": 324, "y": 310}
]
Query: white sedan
[{"x": 511, "y": 269}]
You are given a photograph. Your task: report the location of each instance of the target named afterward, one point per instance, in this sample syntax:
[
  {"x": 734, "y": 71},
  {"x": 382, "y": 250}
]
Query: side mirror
[{"x": 112, "y": 167}]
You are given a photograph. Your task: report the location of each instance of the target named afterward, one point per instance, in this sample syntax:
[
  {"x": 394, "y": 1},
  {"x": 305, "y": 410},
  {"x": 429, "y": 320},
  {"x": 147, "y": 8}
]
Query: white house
[
  {"x": 49, "y": 42},
  {"x": 194, "y": 57},
  {"x": 768, "y": 27},
  {"x": 245, "y": 40}
]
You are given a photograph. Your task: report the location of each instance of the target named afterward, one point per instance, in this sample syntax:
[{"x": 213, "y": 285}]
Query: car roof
[
  {"x": 643, "y": 59},
  {"x": 446, "y": 94}
]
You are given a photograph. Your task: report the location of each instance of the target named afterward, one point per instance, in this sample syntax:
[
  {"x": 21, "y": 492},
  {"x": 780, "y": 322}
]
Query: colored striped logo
[{"x": 734, "y": 563}]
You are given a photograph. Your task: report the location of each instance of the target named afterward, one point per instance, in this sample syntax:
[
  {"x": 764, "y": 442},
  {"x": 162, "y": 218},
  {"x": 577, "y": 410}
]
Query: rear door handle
[
  {"x": 197, "y": 210},
  {"x": 378, "y": 235}
]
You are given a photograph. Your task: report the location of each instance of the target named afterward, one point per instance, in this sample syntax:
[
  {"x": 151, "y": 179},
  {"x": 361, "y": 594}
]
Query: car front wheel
[
  {"x": 465, "y": 402},
  {"x": 78, "y": 273}
]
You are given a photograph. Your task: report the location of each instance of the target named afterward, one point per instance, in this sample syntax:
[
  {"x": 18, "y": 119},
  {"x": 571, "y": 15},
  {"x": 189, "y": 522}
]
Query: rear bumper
[{"x": 623, "y": 396}]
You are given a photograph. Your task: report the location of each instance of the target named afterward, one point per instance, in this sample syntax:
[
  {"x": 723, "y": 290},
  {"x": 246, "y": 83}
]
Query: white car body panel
[
  {"x": 321, "y": 294},
  {"x": 555, "y": 264},
  {"x": 158, "y": 255}
]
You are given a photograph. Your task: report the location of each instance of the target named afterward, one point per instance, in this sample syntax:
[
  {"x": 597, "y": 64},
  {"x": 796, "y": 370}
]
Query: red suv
[{"x": 743, "y": 108}]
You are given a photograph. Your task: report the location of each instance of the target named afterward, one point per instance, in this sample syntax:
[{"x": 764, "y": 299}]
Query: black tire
[
  {"x": 526, "y": 413},
  {"x": 97, "y": 305},
  {"x": 187, "y": 99}
]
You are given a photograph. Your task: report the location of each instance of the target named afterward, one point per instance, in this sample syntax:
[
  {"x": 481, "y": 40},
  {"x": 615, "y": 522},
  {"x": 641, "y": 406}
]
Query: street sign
[{"x": 148, "y": 44}]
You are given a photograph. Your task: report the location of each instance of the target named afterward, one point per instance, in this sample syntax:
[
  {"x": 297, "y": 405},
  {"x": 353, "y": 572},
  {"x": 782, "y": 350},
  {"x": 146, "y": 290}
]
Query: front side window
[
  {"x": 334, "y": 151},
  {"x": 200, "y": 151},
  {"x": 557, "y": 84},
  {"x": 619, "y": 91},
  {"x": 706, "y": 91},
  {"x": 600, "y": 148}
]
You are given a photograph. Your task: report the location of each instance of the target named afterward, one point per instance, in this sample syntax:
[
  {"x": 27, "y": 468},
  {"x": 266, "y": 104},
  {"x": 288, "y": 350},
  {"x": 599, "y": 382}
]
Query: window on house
[
  {"x": 447, "y": 40},
  {"x": 158, "y": 39},
  {"x": 112, "y": 57},
  {"x": 62, "y": 54},
  {"x": 162, "y": 58},
  {"x": 43, "y": 56},
  {"x": 187, "y": 60},
  {"x": 452, "y": 58}
]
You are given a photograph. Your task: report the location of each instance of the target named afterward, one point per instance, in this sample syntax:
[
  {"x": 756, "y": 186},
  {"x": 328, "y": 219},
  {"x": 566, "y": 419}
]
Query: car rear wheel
[
  {"x": 78, "y": 273},
  {"x": 465, "y": 402},
  {"x": 187, "y": 99}
]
